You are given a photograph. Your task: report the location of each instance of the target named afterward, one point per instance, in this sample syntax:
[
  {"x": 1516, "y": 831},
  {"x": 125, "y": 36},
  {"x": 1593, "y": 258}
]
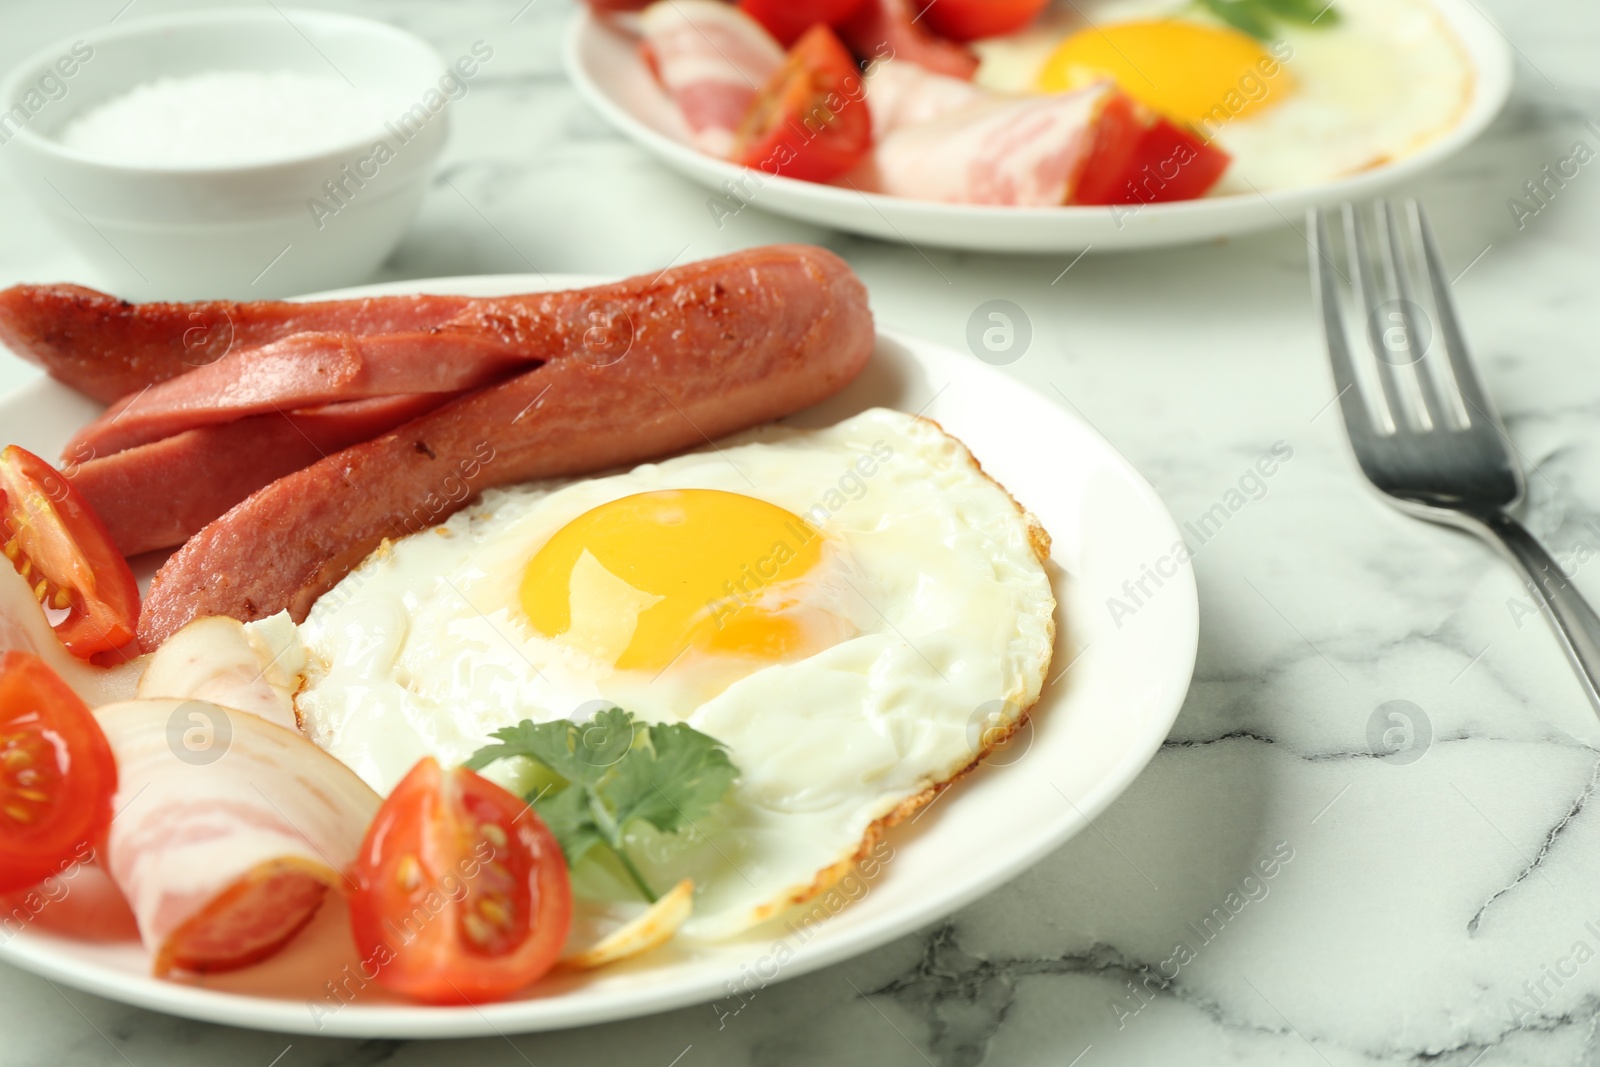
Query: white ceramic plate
[
  {"x": 1115, "y": 693},
  {"x": 605, "y": 66}
]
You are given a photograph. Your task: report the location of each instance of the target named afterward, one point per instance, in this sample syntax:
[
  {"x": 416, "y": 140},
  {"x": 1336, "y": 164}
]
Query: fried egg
[
  {"x": 856, "y": 612},
  {"x": 1373, "y": 81}
]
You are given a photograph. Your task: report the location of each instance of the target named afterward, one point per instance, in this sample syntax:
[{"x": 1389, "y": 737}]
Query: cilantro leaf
[
  {"x": 546, "y": 742},
  {"x": 1243, "y": 15},
  {"x": 1304, "y": 11},
  {"x": 614, "y": 772},
  {"x": 684, "y": 776},
  {"x": 1258, "y": 17},
  {"x": 567, "y": 815},
  {"x": 577, "y": 752}
]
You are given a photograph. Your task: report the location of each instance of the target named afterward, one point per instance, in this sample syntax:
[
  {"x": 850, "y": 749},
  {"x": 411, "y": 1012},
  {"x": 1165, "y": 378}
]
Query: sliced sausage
[{"x": 635, "y": 370}]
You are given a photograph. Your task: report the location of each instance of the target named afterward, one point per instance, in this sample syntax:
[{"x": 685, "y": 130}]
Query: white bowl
[{"x": 237, "y": 231}]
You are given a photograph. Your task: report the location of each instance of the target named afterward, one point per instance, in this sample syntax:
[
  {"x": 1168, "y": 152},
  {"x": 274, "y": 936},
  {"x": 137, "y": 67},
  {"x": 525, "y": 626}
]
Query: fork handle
[{"x": 1570, "y": 615}]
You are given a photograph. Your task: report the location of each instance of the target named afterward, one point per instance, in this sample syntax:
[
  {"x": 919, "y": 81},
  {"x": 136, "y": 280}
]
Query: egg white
[
  {"x": 1377, "y": 85},
  {"x": 933, "y": 570}
]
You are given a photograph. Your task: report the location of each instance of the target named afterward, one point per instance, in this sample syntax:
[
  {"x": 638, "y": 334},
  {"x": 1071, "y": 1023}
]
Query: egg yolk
[
  {"x": 1188, "y": 72},
  {"x": 638, "y": 581}
]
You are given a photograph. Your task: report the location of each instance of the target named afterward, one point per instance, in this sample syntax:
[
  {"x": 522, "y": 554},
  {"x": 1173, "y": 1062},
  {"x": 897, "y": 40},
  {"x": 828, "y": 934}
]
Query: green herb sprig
[
  {"x": 613, "y": 772},
  {"x": 1259, "y": 18}
]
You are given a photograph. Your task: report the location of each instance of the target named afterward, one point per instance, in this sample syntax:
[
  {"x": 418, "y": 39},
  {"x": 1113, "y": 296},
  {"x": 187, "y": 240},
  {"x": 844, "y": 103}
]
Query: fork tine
[
  {"x": 1467, "y": 383},
  {"x": 1399, "y": 279},
  {"x": 1367, "y": 294},
  {"x": 1325, "y": 293}
]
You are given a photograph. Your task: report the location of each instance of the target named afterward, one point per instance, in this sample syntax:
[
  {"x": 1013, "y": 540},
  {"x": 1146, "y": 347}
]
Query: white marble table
[{"x": 1443, "y": 910}]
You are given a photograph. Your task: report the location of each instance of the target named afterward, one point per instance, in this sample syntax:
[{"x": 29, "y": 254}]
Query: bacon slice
[
  {"x": 905, "y": 94},
  {"x": 220, "y": 660},
  {"x": 636, "y": 369},
  {"x": 891, "y": 31},
  {"x": 160, "y": 494},
  {"x": 81, "y": 902},
  {"x": 106, "y": 348},
  {"x": 1022, "y": 151},
  {"x": 302, "y": 371},
  {"x": 225, "y": 852},
  {"x": 713, "y": 59}
]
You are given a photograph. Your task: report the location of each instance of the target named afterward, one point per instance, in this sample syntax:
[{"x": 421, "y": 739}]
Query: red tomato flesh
[
  {"x": 788, "y": 19},
  {"x": 970, "y": 20},
  {"x": 57, "y": 774},
  {"x": 461, "y": 892},
  {"x": 1140, "y": 158},
  {"x": 55, "y": 540},
  {"x": 811, "y": 121}
]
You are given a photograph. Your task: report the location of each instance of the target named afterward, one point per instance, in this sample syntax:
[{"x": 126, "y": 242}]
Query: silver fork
[{"x": 1422, "y": 429}]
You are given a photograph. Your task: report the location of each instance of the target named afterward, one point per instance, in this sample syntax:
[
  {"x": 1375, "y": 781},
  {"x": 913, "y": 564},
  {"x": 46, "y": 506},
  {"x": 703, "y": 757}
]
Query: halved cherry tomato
[
  {"x": 56, "y": 541},
  {"x": 461, "y": 891},
  {"x": 788, "y": 19},
  {"x": 1138, "y": 157},
  {"x": 1117, "y": 133},
  {"x": 811, "y": 121},
  {"x": 57, "y": 774},
  {"x": 969, "y": 20}
]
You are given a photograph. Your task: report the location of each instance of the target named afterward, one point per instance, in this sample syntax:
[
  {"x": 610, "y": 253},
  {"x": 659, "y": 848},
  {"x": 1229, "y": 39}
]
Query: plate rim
[
  {"x": 1493, "y": 77},
  {"x": 38, "y": 954}
]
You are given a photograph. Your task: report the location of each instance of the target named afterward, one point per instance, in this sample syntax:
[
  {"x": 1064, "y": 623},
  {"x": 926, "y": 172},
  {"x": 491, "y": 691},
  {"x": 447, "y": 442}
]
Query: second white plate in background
[{"x": 606, "y": 67}]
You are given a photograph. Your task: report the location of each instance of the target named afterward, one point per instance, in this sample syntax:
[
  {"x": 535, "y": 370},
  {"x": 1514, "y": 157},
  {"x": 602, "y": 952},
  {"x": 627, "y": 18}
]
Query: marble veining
[{"x": 1439, "y": 911}]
